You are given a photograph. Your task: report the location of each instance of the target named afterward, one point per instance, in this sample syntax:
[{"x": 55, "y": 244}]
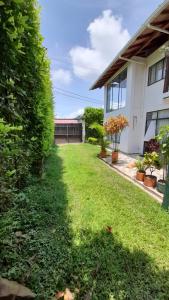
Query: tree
[
  {"x": 114, "y": 127},
  {"x": 92, "y": 115}
]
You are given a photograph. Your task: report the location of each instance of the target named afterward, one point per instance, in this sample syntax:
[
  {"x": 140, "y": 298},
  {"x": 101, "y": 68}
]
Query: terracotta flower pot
[
  {"x": 140, "y": 176},
  {"x": 103, "y": 154},
  {"x": 115, "y": 156},
  {"x": 150, "y": 181}
]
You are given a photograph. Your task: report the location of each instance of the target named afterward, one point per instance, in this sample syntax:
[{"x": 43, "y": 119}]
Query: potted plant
[
  {"x": 103, "y": 144},
  {"x": 101, "y": 138},
  {"x": 151, "y": 162},
  {"x": 140, "y": 174},
  {"x": 114, "y": 127},
  {"x": 161, "y": 182},
  {"x": 163, "y": 139}
]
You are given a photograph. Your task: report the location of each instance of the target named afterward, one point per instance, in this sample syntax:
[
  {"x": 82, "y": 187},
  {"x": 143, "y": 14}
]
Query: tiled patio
[{"x": 124, "y": 167}]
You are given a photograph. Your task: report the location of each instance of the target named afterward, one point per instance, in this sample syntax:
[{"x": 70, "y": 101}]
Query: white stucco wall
[
  {"x": 141, "y": 99},
  {"x": 153, "y": 95},
  {"x": 130, "y": 140}
]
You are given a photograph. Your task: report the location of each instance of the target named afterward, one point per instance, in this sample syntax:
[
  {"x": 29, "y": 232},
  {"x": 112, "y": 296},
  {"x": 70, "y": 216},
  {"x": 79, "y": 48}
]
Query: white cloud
[
  {"x": 106, "y": 36},
  {"x": 61, "y": 76},
  {"x": 75, "y": 113}
]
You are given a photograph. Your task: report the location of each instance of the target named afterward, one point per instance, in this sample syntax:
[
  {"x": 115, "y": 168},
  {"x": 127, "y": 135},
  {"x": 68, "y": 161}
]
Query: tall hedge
[
  {"x": 92, "y": 115},
  {"x": 26, "y": 100}
]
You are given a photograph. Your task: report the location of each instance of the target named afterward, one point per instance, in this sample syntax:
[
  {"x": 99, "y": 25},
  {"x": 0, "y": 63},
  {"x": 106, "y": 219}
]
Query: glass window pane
[
  {"x": 163, "y": 113},
  {"x": 123, "y": 93},
  {"x": 147, "y": 125},
  {"x": 154, "y": 115},
  {"x": 108, "y": 98},
  {"x": 161, "y": 123},
  {"x": 118, "y": 91},
  {"x": 152, "y": 75},
  {"x": 149, "y": 115},
  {"x": 164, "y": 68},
  {"x": 115, "y": 94},
  {"x": 159, "y": 70}
]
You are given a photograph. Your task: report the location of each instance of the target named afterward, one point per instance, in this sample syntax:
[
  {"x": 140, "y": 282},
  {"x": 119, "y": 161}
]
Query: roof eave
[{"x": 133, "y": 39}]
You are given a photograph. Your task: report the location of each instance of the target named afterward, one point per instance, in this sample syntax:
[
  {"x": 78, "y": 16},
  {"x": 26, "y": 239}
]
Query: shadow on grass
[
  {"x": 46, "y": 258},
  {"x": 39, "y": 256},
  {"x": 105, "y": 269}
]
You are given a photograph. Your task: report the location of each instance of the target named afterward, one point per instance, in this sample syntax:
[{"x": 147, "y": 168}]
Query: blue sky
[{"x": 82, "y": 38}]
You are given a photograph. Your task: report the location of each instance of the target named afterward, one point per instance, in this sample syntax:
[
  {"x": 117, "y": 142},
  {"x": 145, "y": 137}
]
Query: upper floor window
[
  {"x": 116, "y": 92},
  {"x": 157, "y": 71}
]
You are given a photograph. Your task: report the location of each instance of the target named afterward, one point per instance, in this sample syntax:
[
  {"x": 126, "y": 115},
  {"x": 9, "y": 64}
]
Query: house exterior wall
[
  {"x": 153, "y": 94},
  {"x": 140, "y": 99},
  {"x": 124, "y": 111}
]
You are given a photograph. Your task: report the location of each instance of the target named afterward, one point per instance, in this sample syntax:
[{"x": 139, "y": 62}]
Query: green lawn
[{"x": 64, "y": 242}]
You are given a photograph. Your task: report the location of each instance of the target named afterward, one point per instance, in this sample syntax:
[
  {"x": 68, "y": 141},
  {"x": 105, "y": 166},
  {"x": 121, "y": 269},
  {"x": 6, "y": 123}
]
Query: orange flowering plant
[{"x": 114, "y": 127}]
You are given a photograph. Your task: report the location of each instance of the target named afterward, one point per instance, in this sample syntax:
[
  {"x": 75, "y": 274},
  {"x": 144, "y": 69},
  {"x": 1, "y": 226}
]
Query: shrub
[
  {"x": 99, "y": 129},
  {"x": 14, "y": 165},
  {"x": 25, "y": 93},
  {"x": 92, "y": 115},
  {"x": 152, "y": 146},
  {"x": 152, "y": 161},
  {"x": 92, "y": 140}
]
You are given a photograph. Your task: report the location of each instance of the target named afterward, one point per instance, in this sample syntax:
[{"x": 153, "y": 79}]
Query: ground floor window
[{"x": 154, "y": 121}]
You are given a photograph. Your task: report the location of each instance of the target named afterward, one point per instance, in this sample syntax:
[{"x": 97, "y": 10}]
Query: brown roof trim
[{"x": 144, "y": 43}]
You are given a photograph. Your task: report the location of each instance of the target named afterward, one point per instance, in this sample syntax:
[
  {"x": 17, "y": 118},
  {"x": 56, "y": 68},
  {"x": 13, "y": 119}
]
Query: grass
[{"x": 64, "y": 242}]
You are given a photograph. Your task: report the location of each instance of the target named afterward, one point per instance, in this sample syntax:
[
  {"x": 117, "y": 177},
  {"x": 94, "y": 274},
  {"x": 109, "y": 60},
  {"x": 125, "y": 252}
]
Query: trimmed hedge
[
  {"x": 26, "y": 101},
  {"x": 92, "y": 140}
]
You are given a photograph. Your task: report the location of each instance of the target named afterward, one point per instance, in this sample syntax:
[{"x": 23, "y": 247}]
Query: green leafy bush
[
  {"x": 140, "y": 165},
  {"x": 92, "y": 115},
  {"x": 152, "y": 161},
  {"x": 92, "y": 140},
  {"x": 26, "y": 101},
  {"x": 14, "y": 166},
  {"x": 100, "y": 131}
]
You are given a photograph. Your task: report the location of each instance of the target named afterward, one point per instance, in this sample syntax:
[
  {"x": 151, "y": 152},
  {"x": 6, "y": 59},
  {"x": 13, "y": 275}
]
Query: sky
[{"x": 82, "y": 38}]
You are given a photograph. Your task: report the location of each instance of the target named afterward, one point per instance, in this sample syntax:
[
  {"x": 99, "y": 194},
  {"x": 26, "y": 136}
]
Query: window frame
[
  {"x": 109, "y": 92},
  {"x": 155, "y": 66},
  {"x": 155, "y": 119}
]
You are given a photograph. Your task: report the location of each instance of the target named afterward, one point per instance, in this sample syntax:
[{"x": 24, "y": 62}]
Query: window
[
  {"x": 166, "y": 80},
  {"x": 154, "y": 121},
  {"x": 157, "y": 72},
  {"x": 116, "y": 92}
]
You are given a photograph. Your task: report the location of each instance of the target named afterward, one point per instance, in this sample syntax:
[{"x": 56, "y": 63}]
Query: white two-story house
[{"x": 136, "y": 83}]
